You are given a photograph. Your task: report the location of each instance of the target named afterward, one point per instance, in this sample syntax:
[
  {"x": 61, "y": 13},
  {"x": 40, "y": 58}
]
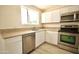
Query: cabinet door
[
  {"x": 14, "y": 45},
  {"x": 52, "y": 37},
  {"x": 52, "y": 16},
  {"x": 69, "y": 9},
  {"x": 55, "y": 16},
  {"x": 43, "y": 18},
  {"x": 40, "y": 38},
  {"x": 46, "y": 17}
]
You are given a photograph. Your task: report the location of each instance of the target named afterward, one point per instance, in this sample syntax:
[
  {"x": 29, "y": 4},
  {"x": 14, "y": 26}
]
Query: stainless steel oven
[{"x": 69, "y": 37}]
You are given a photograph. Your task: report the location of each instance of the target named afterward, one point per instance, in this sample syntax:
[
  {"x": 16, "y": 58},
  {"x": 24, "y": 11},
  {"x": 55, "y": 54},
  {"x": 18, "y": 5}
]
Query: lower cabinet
[
  {"x": 20, "y": 44},
  {"x": 52, "y": 37},
  {"x": 40, "y": 37},
  {"x": 27, "y": 42},
  {"x": 14, "y": 45}
]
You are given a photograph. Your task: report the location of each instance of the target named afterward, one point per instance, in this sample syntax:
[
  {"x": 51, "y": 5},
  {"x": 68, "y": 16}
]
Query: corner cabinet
[
  {"x": 13, "y": 45},
  {"x": 52, "y": 16},
  {"x": 52, "y": 37},
  {"x": 40, "y": 38}
]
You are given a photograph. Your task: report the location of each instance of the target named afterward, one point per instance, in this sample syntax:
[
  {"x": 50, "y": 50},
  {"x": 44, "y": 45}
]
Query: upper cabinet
[
  {"x": 55, "y": 16},
  {"x": 46, "y": 17},
  {"x": 52, "y": 16},
  {"x": 69, "y": 9}
]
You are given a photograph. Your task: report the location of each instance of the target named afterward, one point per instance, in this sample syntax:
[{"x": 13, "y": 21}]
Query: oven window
[{"x": 68, "y": 39}]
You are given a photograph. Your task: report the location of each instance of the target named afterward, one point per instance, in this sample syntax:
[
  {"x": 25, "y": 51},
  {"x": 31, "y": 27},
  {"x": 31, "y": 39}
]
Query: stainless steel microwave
[{"x": 68, "y": 17}]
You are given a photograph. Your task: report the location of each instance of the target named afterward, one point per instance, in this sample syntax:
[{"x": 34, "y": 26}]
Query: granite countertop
[
  {"x": 6, "y": 35},
  {"x": 12, "y": 33}
]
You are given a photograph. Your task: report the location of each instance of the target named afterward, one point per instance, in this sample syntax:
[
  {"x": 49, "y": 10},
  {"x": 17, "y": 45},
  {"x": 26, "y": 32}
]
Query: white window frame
[
  {"x": 25, "y": 17},
  {"x": 31, "y": 15}
]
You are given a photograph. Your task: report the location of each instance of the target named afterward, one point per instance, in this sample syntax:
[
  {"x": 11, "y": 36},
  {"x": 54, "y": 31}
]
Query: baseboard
[
  {"x": 40, "y": 45},
  {"x": 51, "y": 44}
]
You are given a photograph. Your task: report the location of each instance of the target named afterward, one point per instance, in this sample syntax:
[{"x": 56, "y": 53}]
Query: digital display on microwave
[{"x": 68, "y": 39}]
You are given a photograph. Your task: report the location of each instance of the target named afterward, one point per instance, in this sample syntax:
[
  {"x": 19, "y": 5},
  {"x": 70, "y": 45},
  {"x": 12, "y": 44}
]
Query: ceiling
[{"x": 46, "y": 7}]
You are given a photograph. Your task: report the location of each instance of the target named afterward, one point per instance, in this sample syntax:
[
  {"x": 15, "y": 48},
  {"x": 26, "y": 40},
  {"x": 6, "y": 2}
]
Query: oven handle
[{"x": 64, "y": 33}]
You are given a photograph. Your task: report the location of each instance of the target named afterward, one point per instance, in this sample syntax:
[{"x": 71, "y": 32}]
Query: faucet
[{"x": 33, "y": 28}]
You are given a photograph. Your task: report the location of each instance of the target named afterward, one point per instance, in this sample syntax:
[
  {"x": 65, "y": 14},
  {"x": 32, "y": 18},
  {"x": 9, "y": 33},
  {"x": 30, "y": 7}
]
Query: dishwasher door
[{"x": 28, "y": 42}]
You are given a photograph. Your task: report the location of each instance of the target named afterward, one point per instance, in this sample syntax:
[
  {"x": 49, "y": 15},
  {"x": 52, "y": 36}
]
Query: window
[
  {"x": 33, "y": 16},
  {"x": 23, "y": 15},
  {"x": 29, "y": 16}
]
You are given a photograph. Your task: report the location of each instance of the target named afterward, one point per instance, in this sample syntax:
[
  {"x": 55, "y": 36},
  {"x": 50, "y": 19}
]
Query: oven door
[{"x": 68, "y": 39}]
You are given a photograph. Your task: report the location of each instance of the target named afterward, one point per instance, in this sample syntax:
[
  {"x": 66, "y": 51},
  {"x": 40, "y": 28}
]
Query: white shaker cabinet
[
  {"x": 40, "y": 37},
  {"x": 52, "y": 37},
  {"x": 14, "y": 45},
  {"x": 69, "y": 9},
  {"x": 55, "y": 16},
  {"x": 46, "y": 17},
  {"x": 52, "y": 16}
]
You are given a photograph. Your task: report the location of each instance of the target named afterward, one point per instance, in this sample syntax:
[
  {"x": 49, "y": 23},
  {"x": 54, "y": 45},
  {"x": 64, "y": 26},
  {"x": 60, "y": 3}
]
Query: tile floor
[{"x": 49, "y": 49}]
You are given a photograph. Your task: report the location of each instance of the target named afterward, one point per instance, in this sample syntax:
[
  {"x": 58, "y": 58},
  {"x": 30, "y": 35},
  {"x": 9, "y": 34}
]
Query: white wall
[{"x": 10, "y": 17}]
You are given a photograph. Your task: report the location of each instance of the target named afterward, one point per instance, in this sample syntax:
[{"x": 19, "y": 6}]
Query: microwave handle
[{"x": 74, "y": 16}]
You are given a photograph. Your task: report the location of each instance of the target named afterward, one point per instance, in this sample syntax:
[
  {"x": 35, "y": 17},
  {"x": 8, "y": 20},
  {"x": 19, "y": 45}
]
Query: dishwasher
[{"x": 28, "y": 43}]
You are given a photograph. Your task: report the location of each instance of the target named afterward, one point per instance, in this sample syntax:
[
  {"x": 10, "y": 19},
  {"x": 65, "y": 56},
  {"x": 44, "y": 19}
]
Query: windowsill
[{"x": 31, "y": 24}]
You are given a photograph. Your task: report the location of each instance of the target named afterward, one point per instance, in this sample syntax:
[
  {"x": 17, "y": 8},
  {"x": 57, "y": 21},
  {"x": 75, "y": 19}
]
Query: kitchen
[{"x": 38, "y": 29}]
